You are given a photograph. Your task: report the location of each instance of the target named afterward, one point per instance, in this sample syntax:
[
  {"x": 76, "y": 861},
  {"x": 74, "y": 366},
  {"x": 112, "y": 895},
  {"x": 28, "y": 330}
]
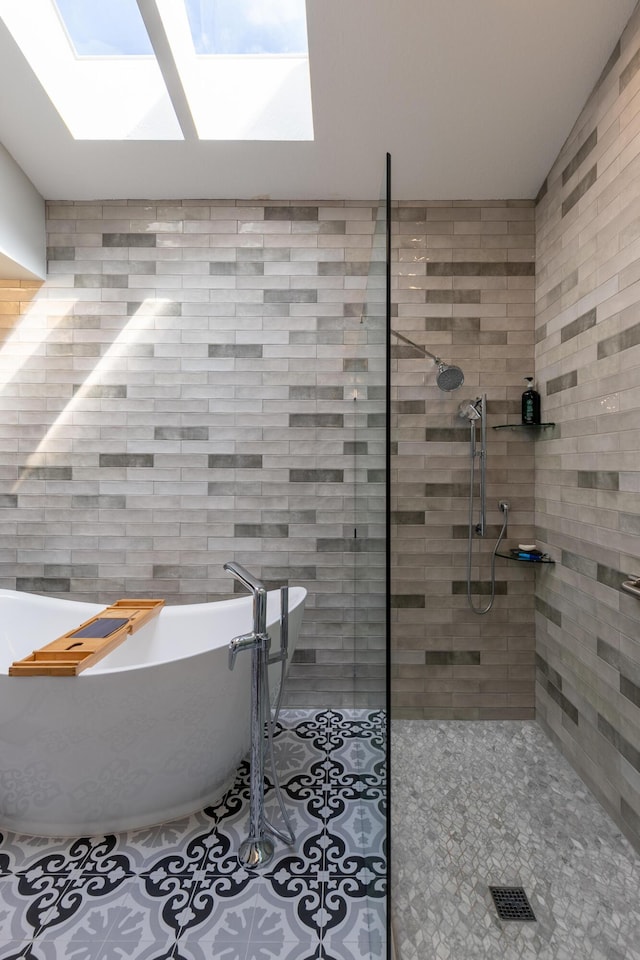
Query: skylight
[
  {"x": 239, "y": 96},
  {"x": 98, "y": 97},
  {"x": 170, "y": 69},
  {"x": 248, "y": 26},
  {"x": 113, "y": 29}
]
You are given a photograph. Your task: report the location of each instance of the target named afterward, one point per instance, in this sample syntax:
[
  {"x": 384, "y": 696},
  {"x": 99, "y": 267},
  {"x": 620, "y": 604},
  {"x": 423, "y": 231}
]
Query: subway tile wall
[
  {"x": 463, "y": 275},
  {"x": 180, "y": 392},
  {"x": 588, "y": 474}
]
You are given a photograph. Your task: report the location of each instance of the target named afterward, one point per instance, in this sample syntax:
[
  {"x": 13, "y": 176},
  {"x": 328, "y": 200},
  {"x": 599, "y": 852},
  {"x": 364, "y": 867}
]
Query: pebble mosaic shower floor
[
  {"x": 494, "y": 803},
  {"x": 177, "y": 890}
]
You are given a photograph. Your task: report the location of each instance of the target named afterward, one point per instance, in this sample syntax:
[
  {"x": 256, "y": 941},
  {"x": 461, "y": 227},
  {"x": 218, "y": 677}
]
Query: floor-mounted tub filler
[{"x": 153, "y": 731}]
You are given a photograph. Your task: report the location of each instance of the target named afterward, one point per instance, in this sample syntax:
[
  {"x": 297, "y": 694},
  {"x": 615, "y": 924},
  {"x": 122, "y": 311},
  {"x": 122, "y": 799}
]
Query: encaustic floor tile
[{"x": 177, "y": 890}]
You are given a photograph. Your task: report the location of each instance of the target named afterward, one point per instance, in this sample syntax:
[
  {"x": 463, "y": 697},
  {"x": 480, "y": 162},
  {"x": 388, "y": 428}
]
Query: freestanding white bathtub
[{"x": 153, "y": 731}]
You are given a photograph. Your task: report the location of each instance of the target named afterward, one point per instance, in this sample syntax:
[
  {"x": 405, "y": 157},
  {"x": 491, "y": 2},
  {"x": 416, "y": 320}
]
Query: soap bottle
[{"x": 530, "y": 403}]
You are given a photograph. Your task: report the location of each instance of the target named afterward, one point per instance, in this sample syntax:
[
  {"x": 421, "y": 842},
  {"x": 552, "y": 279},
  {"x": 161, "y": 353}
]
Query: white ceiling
[{"x": 472, "y": 98}]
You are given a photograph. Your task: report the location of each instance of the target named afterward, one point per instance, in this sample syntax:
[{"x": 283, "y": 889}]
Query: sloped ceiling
[{"x": 472, "y": 98}]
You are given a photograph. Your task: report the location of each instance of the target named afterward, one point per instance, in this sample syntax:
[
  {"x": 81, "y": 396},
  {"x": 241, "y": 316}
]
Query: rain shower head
[{"x": 449, "y": 376}]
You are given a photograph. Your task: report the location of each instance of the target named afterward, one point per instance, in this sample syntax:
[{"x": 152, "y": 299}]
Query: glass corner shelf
[
  {"x": 523, "y": 426},
  {"x": 509, "y": 556}
]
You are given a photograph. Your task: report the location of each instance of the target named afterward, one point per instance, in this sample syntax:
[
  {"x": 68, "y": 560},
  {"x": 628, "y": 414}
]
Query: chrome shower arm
[
  {"x": 450, "y": 377},
  {"x": 416, "y": 346}
]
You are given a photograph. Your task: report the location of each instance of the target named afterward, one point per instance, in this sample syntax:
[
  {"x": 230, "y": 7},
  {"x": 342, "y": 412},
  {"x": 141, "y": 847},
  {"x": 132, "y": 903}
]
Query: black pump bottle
[{"x": 530, "y": 403}]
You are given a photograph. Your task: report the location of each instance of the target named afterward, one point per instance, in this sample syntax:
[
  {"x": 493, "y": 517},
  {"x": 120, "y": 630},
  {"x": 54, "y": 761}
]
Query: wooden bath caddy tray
[{"x": 91, "y": 641}]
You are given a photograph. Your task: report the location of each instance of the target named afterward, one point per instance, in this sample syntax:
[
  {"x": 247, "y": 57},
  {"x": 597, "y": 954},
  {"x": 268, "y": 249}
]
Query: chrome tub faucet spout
[{"x": 257, "y": 589}]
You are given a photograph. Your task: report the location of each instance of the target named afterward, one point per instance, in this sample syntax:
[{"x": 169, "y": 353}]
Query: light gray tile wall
[
  {"x": 180, "y": 393},
  {"x": 588, "y": 476},
  {"x": 464, "y": 289}
]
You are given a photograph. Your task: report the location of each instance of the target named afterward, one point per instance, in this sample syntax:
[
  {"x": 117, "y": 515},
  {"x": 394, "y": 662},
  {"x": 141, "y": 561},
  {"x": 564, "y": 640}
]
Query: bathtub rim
[{"x": 297, "y": 598}]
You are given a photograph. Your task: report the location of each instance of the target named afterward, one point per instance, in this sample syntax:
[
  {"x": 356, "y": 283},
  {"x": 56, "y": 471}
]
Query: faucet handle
[{"x": 246, "y": 641}]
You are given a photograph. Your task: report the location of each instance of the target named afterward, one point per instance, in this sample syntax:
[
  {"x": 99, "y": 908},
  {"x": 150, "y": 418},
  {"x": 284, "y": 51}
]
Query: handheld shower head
[
  {"x": 471, "y": 409},
  {"x": 449, "y": 376}
]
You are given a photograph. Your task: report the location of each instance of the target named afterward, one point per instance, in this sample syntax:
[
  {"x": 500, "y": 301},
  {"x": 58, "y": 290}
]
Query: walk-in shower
[
  {"x": 449, "y": 376},
  {"x": 475, "y": 411}
]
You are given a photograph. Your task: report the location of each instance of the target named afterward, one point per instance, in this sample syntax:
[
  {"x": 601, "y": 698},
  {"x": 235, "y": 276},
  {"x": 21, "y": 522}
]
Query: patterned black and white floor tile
[{"x": 177, "y": 891}]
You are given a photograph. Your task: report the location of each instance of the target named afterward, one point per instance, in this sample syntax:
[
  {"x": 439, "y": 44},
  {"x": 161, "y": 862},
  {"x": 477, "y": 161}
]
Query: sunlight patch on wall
[
  {"x": 135, "y": 328},
  {"x": 29, "y": 335}
]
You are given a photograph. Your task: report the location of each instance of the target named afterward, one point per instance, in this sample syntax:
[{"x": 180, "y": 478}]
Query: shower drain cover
[{"x": 512, "y": 903}]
